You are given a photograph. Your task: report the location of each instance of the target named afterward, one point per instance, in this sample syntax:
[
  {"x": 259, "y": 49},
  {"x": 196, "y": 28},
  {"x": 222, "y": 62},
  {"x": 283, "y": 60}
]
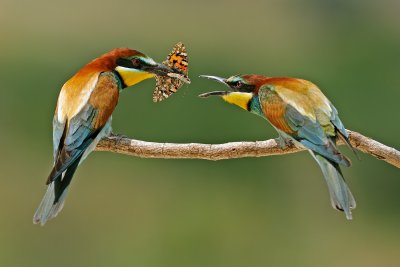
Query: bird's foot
[
  {"x": 118, "y": 137},
  {"x": 284, "y": 143}
]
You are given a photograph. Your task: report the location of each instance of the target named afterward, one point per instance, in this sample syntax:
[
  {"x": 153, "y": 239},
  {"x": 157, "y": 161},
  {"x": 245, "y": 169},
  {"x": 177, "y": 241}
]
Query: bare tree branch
[{"x": 143, "y": 149}]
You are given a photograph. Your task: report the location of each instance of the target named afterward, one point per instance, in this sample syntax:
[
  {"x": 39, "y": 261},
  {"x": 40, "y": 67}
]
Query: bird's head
[
  {"x": 243, "y": 88},
  {"x": 137, "y": 67}
]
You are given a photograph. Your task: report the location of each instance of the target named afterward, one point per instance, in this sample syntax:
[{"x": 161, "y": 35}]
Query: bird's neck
[
  {"x": 255, "y": 106},
  {"x": 120, "y": 80}
]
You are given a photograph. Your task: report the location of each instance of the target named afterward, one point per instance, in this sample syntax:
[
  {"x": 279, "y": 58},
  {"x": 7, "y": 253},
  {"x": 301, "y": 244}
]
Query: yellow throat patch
[
  {"x": 132, "y": 76},
  {"x": 240, "y": 99}
]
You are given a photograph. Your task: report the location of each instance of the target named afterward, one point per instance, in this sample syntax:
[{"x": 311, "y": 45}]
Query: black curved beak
[
  {"x": 214, "y": 93},
  {"x": 215, "y": 78},
  {"x": 165, "y": 71},
  {"x": 160, "y": 69}
]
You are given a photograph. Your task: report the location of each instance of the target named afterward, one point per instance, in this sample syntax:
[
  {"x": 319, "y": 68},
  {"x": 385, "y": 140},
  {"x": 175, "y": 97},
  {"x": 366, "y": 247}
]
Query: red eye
[
  {"x": 136, "y": 62},
  {"x": 238, "y": 84}
]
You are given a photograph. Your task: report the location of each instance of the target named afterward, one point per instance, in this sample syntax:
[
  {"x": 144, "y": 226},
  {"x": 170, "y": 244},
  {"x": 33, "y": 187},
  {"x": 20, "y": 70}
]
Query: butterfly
[{"x": 166, "y": 86}]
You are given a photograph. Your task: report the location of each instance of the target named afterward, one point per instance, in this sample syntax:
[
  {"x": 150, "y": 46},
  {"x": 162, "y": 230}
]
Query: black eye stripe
[
  {"x": 123, "y": 62},
  {"x": 131, "y": 63},
  {"x": 247, "y": 88},
  {"x": 241, "y": 86}
]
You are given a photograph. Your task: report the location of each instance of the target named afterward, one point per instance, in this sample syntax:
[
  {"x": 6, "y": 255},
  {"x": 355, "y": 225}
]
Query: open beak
[
  {"x": 215, "y": 78},
  {"x": 214, "y": 93}
]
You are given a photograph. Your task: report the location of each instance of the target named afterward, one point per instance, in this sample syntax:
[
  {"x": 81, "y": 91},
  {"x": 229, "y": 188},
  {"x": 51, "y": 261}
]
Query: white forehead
[
  {"x": 149, "y": 60},
  {"x": 234, "y": 79}
]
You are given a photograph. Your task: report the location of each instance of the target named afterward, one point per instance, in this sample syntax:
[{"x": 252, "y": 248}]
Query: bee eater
[
  {"x": 83, "y": 116},
  {"x": 302, "y": 115}
]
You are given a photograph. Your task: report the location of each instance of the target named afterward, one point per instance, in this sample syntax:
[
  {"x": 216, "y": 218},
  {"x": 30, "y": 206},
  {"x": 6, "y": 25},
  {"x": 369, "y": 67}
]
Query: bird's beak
[
  {"x": 215, "y": 78},
  {"x": 214, "y": 93},
  {"x": 160, "y": 69},
  {"x": 165, "y": 71}
]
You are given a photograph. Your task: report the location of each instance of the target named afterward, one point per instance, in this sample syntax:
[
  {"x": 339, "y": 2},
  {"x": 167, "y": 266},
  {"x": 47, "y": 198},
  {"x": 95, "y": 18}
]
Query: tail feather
[
  {"x": 48, "y": 208},
  {"x": 341, "y": 197},
  {"x": 328, "y": 151},
  {"x": 66, "y": 179},
  {"x": 62, "y": 173},
  {"x": 53, "y": 200},
  {"x": 345, "y": 139}
]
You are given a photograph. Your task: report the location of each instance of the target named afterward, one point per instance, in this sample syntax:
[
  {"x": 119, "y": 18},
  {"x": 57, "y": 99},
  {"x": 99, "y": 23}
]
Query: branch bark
[{"x": 143, "y": 149}]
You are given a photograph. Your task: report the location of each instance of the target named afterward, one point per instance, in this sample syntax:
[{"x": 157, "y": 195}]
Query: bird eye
[
  {"x": 238, "y": 84},
  {"x": 136, "y": 62}
]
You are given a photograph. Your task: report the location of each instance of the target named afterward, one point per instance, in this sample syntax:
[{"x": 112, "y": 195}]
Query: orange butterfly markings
[
  {"x": 166, "y": 86},
  {"x": 179, "y": 61}
]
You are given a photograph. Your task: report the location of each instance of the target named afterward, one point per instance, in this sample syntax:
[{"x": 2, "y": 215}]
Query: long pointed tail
[
  {"x": 48, "y": 207},
  {"x": 341, "y": 197},
  {"x": 53, "y": 200}
]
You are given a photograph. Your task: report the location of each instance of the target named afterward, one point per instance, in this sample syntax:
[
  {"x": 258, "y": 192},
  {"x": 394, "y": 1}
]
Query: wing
[
  {"x": 58, "y": 134},
  {"x": 274, "y": 108},
  {"x": 293, "y": 112},
  {"x": 80, "y": 130},
  {"x": 166, "y": 86},
  {"x": 327, "y": 115},
  {"x": 335, "y": 120},
  {"x": 313, "y": 136}
]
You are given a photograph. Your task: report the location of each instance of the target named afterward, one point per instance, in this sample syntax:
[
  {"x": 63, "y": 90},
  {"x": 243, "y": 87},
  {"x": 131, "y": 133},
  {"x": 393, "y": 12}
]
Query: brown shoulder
[
  {"x": 296, "y": 85},
  {"x": 274, "y": 109},
  {"x": 104, "y": 97}
]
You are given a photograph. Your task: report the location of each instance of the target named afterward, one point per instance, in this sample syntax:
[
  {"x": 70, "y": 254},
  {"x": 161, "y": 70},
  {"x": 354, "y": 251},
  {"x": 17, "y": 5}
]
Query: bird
[
  {"x": 83, "y": 116},
  {"x": 303, "y": 116}
]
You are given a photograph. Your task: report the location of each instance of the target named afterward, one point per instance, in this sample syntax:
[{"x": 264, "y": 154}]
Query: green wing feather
[
  {"x": 313, "y": 136},
  {"x": 304, "y": 115}
]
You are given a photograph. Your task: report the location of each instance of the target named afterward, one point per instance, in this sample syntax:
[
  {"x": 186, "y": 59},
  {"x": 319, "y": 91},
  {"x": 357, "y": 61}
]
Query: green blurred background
[{"x": 271, "y": 211}]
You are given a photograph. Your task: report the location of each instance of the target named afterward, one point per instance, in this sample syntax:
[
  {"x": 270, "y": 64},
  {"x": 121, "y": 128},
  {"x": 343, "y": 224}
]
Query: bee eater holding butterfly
[
  {"x": 303, "y": 116},
  {"x": 83, "y": 116}
]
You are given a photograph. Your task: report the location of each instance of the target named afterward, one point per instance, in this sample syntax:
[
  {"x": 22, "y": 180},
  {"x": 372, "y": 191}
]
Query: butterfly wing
[{"x": 166, "y": 86}]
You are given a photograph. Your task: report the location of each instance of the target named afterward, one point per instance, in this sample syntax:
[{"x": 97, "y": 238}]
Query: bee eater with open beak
[
  {"x": 83, "y": 116},
  {"x": 303, "y": 116}
]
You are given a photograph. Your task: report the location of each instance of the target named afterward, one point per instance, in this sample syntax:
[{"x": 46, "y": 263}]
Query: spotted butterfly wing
[{"x": 166, "y": 86}]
